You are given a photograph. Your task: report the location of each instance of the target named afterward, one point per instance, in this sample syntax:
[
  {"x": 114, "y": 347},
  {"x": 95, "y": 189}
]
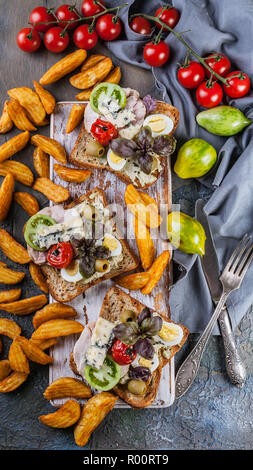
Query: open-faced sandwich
[
  {"x": 126, "y": 349},
  {"x": 126, "y": 135},
  {"x": 77, "y": 246}
]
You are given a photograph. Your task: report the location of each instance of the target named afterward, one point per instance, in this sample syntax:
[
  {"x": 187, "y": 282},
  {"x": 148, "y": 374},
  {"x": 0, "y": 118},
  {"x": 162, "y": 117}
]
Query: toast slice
[
  {"x": 80, "y": 158},
  {"x": 114, "y": 303},
  {"x": 64, "y": 291}
]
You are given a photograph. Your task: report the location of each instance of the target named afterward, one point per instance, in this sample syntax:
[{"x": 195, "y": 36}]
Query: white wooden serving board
[{"x": 88, "y": 305}]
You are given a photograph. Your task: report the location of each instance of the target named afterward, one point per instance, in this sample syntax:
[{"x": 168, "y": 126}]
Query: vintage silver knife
[{"x": 234, "y": 365}]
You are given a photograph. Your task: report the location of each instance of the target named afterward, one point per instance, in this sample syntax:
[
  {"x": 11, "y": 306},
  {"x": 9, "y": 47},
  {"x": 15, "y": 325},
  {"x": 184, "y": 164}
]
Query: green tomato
[
  {"x": 105, "y": 378},
  {"x": 223, "y": 120},
  {"x": 195, "y": 158},
  {"x": 186, "y": 233},
  {"x": 110, "y": 90},
  {"x": 31, "y": 227}
]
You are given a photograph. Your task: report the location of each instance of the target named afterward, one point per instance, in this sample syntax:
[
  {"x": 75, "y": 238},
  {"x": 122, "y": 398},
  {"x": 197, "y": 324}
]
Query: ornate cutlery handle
[
  {"x": 235, "y": 368},
  {"x": 188, "y": 370}
]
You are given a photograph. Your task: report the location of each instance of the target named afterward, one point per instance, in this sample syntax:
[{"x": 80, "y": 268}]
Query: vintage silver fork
[{"x": 231, "y": 279}]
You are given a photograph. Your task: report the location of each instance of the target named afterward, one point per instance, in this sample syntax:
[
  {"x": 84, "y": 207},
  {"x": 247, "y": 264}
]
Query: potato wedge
[
  {"x": 41, "y": 162},
  {"x": 134, "y": 281},
  {"x": 66, "y": 65},
  {"x": 12, "y": 382},
  {"x": 156, "y": 271},
  {"x": 9, "y": 295},
  {"x": 9, "y": 276},
  {"x": 6, "y": 123},
  {"x": 14, "y": 145},
  {"x": 6, "y": 194},
  {"x": 20, "y": 171},
  {"x": 145, "y": 244},
  {"x": 91, "y": 61},
  {"x": 33, "y": 352},
  {"x": 12, "y": 249},
  {"x": 89, "y": 77},
  {"x": 50, "y": 146},
  {"x": 30, "y": 102},
  {"x": 149, "y": 200},
  {"x": 55, "y": 328},
  {"x": 25, "y": 306},
  {"x": 113, "y": 77},
  {"x": 146, "y": 213},
  {"x": 72, "y": 175},
  {"x": 52, "y": 191},
  {"x": 93, "y": 412},
  {"x": 17, "y": 358},
  {"x": 5, "y": 369},
  {"x": 65, "y": 387},
  {"x": 67, "y": 415},
  {"x": 38, "y": 277},
  {"x": 9, "y": 328},
  {"x": 28, "y": 202},
  {"x": 46, "y": 98},
  {"x": 53, "y": 311},
  {"x": 75, "y": 117},
  {"x": 45, "y": 343},
  {"x": 19, "y": 117}
]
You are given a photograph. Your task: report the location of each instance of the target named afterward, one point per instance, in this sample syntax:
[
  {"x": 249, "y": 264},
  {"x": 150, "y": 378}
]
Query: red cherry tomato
[
  {"x": 191, "y": 74},
  {"x": 84, "y": 38},
  {"x": 103, "y": 131},
  {"x": 156, "y": 54},
  {"x": 219, "y": 63},
  {"x": 67, "y": 13},
  {"x": 238, "y": 86},
  {"x": 122, "y": 353},
  {"x": 40, "y": 15},
  {"x": 55, "y": 41},
  {"x": 140, "y": 25},
  {"x": 107, "y": 28},
  {"x": 90, "y": 8},
  {"x": 60, "y": 255},
  {"x": 209, "y": 95},
  {"x": 168, "y": 15},
  {"x": 27, "y": 40}
]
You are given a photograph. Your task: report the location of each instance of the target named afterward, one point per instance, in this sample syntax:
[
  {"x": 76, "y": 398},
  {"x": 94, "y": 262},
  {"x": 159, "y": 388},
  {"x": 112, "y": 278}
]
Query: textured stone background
[{"x": 213, "y": 414}]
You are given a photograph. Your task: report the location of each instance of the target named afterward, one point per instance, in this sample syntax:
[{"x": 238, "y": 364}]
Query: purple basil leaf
[
  {"x": 150, "y": 103},
  {"x": 126, "y": 332},
  {"x": 144, "y": 347},
  {"x": 124, "y": 147},
  {"x": 146, "y": 163},
  {"x": 140, "y": 373},
  {"x": 145, "y": 313},
  {"x": 164, "y": 145}
]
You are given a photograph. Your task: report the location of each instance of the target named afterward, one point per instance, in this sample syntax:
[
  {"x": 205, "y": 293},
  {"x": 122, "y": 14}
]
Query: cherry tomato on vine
[
  {"x": 60, "y": 255},
  {"x": 209, "y": 94},
  {"x": 40, "y": 15},
  {"x": 108, "y": 27},
  {"x": 156, "y": 54},
  {"x": 140, "y": 25},
  {"x": 90, "y": 8},
  {"x": 238, "y": 86},
  {"x": 67, "y": 13},
  {"x": 191, "y": 74},
  {"x": 27, "y": 40},
  {"x": 168, "y": 15},
  {"x": 55, "y": 40},
  {"x": 84, "y": 37},
  {"x": 219, "y": 63}
]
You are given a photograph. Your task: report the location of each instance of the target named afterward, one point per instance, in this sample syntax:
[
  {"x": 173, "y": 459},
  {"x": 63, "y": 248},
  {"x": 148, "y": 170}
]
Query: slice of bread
[
  {"x": 114, "y": 303},
  {"x": 79, "y": 157},
  {"x": 64, "y": 291}
]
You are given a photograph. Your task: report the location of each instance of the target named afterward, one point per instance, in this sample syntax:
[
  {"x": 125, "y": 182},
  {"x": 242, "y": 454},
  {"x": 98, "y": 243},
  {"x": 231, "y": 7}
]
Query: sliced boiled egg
[
  {"x": 72, "y": 272},
  {"x": 115, "y": 161},
  {"x": 170, "y": 334},
  {"x": 151, "y": 364},
  {"x": 160, "y": 124},
  {"x": 113, "y": 244}
]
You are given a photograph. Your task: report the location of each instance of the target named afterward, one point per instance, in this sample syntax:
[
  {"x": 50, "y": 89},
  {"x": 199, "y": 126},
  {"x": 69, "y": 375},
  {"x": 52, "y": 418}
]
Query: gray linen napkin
[{"x": 221, "y": 26}]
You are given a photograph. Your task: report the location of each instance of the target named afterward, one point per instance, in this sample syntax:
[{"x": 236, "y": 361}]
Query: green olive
[
  {"x": 94, "y": 148},
  {"x": 137, "y": 387},
  {"x": 127, "y": 315},
  {"x": 101, "y": 265}
]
